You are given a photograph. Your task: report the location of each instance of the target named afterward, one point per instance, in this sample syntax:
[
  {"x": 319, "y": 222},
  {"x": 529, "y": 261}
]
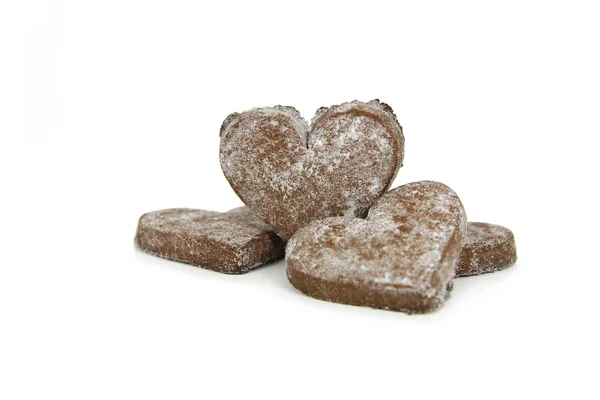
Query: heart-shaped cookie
[
  {"x": 233, "y": 242},
  {"x": 290, "y": 175},
  {"x": 401, "y": 257},
  {"x": 488, "y": 248}
]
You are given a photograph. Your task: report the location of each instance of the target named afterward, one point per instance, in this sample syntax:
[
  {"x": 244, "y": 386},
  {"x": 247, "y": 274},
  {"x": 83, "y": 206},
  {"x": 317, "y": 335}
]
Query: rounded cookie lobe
[
  {"x": 233, "y": 242},
  {"x": 487, "y": 248},
  {"x": 290, "y": 175},
  {"x": 402, "y": 257}
]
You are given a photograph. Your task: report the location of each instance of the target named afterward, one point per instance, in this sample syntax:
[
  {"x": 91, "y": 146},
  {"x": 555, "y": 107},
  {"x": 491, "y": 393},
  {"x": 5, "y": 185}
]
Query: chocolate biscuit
[
  {"x": 402, "y": 257},
  {"x": 487, "y": 248},
  {"x": 233, "y": 242},
  {"x": 290, "y": 174}
]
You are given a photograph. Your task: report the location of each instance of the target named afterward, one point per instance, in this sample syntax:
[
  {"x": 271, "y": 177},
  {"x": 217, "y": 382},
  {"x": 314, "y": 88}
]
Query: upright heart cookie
[
  {"x": 290, "y": 175},
  {"x": 233, "y": 242},
  {"x": 401, "y": 257}
]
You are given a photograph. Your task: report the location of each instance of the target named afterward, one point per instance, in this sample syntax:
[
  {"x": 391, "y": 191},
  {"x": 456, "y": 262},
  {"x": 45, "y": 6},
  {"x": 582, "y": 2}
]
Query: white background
[{"x": 109, "y": 109}]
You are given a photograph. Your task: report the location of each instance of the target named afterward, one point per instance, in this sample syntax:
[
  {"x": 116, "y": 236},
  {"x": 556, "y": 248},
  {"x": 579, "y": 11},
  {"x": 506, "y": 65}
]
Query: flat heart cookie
[
  {"x": 402, "y": 257},
  {"x": 233, "y": 242},
  {"x": 487, "y": 248},
  {"x": 290, "y": 175}
]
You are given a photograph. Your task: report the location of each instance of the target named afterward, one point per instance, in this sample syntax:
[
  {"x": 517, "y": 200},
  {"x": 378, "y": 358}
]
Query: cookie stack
[{"x": 319, "y": 194}]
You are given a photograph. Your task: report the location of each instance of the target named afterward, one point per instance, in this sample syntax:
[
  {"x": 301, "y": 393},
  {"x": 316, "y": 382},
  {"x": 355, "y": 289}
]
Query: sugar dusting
[
  {"x": 409, "y": 243},
  {"x": 290, "y": 174}
]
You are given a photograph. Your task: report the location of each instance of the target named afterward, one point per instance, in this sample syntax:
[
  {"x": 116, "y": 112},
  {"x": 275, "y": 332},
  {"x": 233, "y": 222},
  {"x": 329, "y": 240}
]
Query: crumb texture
[
  {"x": 401, "y": 257},
  {"x": 289, "y": 173},
  {"x": 487, "y": 248},
  {"x": 233, "y": 242}
]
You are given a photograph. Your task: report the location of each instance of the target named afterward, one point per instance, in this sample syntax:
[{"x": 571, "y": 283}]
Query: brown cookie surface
[
  {"x": 487, "y": 248},
  {"x": 401, "y": 257},
  {"x": 290, "y": 174},
  {"x": 233, "y": 242}
]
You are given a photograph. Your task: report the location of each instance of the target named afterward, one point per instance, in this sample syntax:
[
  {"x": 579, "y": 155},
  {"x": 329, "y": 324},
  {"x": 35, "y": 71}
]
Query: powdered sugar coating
[
  {"x": 402, "y": 257},
  {"x": 290, "y": 174},
  {"x": 231, "y": 242},
  {"x": 487, "y": 248}
]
